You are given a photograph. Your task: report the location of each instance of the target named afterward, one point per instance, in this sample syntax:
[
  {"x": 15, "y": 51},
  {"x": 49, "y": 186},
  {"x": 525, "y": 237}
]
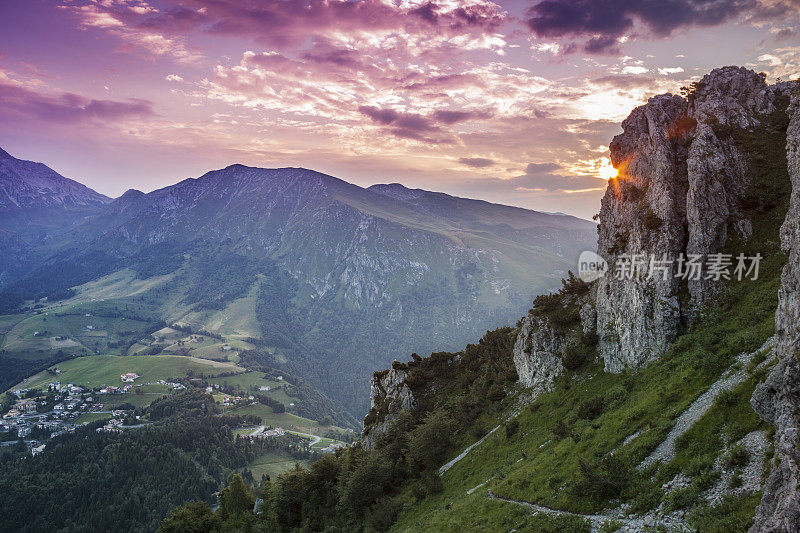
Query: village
[{"x": 34, "y": 416}]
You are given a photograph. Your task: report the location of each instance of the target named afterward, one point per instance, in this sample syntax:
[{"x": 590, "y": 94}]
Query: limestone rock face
[
  {"x": 777, "y": 400},
  {"x": 733, "y": 96},
  {"x": 680, "y": 191},
  {"x": 717, "y": 171},
  {"x": 537, "y": 354},
  {"x": 389, "y": 395},
  {"x": 643, "y": 212}
]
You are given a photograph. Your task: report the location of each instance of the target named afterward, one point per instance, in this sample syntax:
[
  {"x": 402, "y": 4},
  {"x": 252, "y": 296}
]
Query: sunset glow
[
  {"x": 607, "y": 171},
  {"x": 499, "y": 100}
]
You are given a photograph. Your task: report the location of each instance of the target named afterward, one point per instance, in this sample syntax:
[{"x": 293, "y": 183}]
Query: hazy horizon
[{"x": 512, "y": 102}]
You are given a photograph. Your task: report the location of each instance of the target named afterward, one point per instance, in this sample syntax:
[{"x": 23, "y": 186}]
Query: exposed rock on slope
[
  {"x": 777, "y": 400},
  {"x": 537, "y": 354},
  {"x": 680, "y": 191},
  {"x": 555, "y": 336},
  {"x": 643, "y": 212},
  {"x": 388, "y": 396}
]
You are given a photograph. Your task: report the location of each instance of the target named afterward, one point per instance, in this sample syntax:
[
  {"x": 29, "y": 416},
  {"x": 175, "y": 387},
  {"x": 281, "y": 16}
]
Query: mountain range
[{"x": 333, "y": 280}]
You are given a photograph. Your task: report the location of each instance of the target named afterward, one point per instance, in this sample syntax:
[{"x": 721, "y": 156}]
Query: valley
[
  {"x": 317, "y": 277},
  {"x": 624, "y": 403},
  {"x": 97, "y": 340}
]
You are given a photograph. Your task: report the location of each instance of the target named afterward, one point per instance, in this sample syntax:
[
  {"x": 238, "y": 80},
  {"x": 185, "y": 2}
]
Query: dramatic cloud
[
  {"x": 18, "y": 102},
  {"x": 163, "y": 30},
  {"x": 551, "y": 177},
  {"x": 405, "y": 125},
  {"x": 278, "y": 22},
  {"x": 116, "y": 17},
  {"x": 386, "y": 117},
  {"x": 369, "y": 89},
  {"x": 601, "y": 24},
  {"x": 453, "y": 117}
]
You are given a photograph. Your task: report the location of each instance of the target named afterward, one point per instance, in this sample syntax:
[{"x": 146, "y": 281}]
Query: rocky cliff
[
  {"x": 777, "y": 400},
  {"x": 643, "y": 212},
  {"x": 557, "y": 335},
  {"x": 389, "y": 394},
  {"x": 682, "y": 191},
  {"x": 538, "y": 354}
]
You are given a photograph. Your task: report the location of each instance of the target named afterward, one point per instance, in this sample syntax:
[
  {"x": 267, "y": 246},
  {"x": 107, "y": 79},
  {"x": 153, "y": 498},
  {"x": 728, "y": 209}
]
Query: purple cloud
[
  {"x": 453, "y": 117},
  {"x": 282, "y": 22},
  {"x": 600, "y": 23},
  {"x": 405, "y": 125},
  {"x": 476, "y": 162},
  {"x": 20, "y": 102}
]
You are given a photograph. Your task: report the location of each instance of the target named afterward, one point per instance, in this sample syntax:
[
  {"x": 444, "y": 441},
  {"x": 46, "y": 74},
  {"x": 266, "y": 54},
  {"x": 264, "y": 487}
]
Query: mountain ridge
[{"x": 329, "y": 253}]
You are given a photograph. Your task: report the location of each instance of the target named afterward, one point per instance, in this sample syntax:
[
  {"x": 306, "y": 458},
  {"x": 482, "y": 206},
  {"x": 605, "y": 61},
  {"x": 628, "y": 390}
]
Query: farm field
[
  {"x": 250, "y": 382},
  {"x": 70, "y": 329},
  {"x": 101, "y": 370},
  {"x": 272, "y": 464},
  {"x": 283, "y": 420},
  {"x": 86, "y": 418}
]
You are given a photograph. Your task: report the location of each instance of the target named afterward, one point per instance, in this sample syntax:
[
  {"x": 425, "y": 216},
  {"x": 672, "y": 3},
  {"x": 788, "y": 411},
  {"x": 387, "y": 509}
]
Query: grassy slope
[{"x": 536, "y": 465}]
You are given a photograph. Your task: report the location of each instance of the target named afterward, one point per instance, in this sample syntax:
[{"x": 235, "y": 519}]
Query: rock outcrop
[
  {"x": 777, "y": 400},
  {"x": 643, "y": 213},
  {"x": 389, "y": 395},
  {"x": 538, "y": 354},
  {"x": 680, "y": 193},
  {"x": 545, "y": 346}
]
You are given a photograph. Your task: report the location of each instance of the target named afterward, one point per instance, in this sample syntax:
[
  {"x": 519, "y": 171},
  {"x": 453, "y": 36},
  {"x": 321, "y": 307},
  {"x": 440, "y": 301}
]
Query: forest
[
  {"x": 103, "y": 481},
  {"x": 357, "y": 488}
]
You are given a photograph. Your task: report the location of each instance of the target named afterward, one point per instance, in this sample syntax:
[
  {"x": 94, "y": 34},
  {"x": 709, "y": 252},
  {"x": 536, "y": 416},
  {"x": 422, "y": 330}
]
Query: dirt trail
[
  {"x": 665, "y": 451},
  {"x": 596, "y": 520}
]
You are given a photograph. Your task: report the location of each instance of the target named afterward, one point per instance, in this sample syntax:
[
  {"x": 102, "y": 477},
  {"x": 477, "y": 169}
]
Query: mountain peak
[
  {"x": 131, "y": 194},
  {"x": 26, "y": 185},
  {"x": 397, "y": 191}
]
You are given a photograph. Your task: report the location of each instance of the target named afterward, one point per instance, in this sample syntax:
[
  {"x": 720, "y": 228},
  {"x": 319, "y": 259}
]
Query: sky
[{"x": 512, "y": 101}]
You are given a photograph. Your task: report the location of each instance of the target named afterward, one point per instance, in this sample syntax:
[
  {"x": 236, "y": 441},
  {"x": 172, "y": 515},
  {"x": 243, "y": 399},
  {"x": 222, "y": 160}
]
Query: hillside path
[
  {"x": 665, "y": 451},
  {"x": 597, "y": 521},
  {"x": 447, "y": 466}
]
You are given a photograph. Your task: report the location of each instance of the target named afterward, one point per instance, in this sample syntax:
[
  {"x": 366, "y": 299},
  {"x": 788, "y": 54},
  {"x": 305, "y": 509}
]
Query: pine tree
[{"x": 236, "y": 498}]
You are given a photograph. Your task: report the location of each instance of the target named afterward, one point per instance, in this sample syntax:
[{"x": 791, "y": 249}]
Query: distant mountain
[
  {"x": 29, "y": 189},
  {"x": 35, "y": 203},
  {"x": 336, "y": 280}
]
